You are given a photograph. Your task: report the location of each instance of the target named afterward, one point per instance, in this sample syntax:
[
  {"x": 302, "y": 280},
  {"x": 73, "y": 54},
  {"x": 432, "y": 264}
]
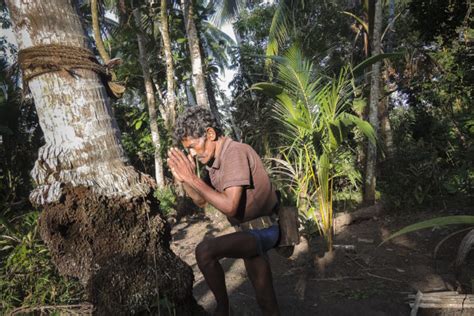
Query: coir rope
[{"x": 41, "y": 59}]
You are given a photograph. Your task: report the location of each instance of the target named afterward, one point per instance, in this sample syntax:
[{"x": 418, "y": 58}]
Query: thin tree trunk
[
  {"x": 385, "y": 125},
  {"x": 189, "y": 93},
  {"x": 170, "y": 82},
  {"x": 370, "y": 171},
  {"x": 209, "y": 87},
  {"x": 98, "y": 217},
  {"x": 150, "y": 100},
  {"x": 199, "y": 81},
  {"x": 384, "y": 119}
]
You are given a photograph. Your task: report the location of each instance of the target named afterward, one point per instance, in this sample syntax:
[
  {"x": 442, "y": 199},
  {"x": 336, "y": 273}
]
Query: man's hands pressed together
[{"x": 182, "y": 167}]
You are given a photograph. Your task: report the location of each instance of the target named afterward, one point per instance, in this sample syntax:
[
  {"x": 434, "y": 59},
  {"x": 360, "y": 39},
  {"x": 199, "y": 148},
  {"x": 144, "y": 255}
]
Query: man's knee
[{"x": 204, "y": 252}]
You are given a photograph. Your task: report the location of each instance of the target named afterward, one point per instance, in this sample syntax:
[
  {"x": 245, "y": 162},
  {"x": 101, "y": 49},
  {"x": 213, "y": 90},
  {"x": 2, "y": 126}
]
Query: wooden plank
[
  {"x": 464, "y": 299},
  {"x": 445, "y": 306},
  {"x": 440, "y": 300},
  {"x": 416, "y": 305},
  {"x": 443, "y": 293},
  {"x": 288, "y": 221}
]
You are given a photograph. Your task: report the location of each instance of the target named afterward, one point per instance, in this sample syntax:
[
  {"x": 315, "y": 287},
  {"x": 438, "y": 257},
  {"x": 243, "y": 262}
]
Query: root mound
[{"x": 119, "y": 250}]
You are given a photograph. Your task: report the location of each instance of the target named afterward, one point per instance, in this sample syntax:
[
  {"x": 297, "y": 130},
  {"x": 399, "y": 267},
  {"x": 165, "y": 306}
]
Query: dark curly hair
[{"x": 193, "y": 122}]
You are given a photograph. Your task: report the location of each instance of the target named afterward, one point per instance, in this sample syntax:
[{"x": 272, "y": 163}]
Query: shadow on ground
[{"x": 365, "y": 279}]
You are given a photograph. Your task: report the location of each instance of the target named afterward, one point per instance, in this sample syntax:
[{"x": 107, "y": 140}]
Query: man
[{"x": 239, "y": 187}]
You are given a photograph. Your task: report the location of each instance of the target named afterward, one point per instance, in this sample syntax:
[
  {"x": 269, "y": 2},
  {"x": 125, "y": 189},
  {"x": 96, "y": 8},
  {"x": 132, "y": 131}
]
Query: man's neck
[
  {"x": 220, "y": 142},
  {"x": 218, "y": 150}
]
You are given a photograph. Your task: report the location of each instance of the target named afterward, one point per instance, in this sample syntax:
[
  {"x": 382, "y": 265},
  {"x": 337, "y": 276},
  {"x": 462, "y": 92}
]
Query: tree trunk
[
  {"x": 199, "y": 81},
  {"x": 150, "y": 100},
  {"x": 170, "y": 82},
  {"x": 209, "y": 86},
  {"x": 385, "y": 127},
  {"x": 99, "y": 220},
  {"x": 189, "y": 93},
  {"x": 371, "y": 163},
  {"x": 384, "y": 112}
]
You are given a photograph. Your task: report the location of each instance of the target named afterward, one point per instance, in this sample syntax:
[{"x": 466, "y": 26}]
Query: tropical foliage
[
  {"x": 28, "y": 277},
  {"x": 294, "y": 96},
  {"x": 315, "y": 112}
]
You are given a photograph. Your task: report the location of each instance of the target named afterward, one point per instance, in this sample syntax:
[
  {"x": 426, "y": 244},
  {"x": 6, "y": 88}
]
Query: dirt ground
[{"x": 366, "y": 280}]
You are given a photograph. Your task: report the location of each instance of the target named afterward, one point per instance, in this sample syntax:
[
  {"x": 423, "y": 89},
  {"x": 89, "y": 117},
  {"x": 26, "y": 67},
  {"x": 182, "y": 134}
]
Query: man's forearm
[
  {"x": 194, "y": 195},
  {"x": 227, "y": 202}
]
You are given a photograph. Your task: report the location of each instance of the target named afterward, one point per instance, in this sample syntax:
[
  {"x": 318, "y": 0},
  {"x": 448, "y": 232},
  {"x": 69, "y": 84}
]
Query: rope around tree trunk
[{"x": 38, "y": 60}]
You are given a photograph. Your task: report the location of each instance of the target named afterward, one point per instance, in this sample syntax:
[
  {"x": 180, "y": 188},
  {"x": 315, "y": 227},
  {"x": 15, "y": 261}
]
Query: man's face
[{"x": 204, "y": 148}]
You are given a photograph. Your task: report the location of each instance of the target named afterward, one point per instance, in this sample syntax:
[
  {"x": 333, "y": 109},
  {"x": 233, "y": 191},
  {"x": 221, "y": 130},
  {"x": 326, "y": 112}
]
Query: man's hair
[{"x": 193, "y": 122}]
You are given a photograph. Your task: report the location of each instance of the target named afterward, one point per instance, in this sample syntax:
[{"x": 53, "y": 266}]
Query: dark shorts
[{"x": 267, "y": 238}]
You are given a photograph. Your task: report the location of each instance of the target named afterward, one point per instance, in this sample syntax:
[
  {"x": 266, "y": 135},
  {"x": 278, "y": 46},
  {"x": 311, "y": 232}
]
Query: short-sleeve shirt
[{"x": 239, "y": 165}]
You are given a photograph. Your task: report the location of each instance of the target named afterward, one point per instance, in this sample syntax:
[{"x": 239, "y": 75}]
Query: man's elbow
[
  {"x": 231, "y": 212},
  {"x": 198, "y": 201},
  {"x": 201, "y": 203}
]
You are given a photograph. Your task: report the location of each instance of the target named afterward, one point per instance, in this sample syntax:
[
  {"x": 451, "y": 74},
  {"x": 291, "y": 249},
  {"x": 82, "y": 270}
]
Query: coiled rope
[{"x": 41, "y": 59}]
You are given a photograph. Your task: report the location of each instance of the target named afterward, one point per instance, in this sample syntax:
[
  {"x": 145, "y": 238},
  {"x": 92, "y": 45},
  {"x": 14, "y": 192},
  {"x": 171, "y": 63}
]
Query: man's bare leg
[
  {"x": 260, "y": 274},
  {"x": 208, "y": 254}
]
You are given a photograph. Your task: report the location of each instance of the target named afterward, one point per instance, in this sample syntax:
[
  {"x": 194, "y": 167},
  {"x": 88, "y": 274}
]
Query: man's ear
[{"x": 211, "y": 134}]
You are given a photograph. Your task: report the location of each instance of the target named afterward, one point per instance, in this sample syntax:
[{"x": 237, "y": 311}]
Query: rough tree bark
[
  {"x": 371, "y": 162},
  {"x": 99, "y": 220},
  {"x": 150, "y": 100},
  {"x": 199, "y": 81}
]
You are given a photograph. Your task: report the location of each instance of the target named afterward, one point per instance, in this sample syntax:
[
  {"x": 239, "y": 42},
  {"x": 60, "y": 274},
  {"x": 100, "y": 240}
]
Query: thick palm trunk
[
  {"x": 150, "y": 100},
  {"x": 99, "y": 219},
  {"x": 199, "y": 81},
  {"x": 371, "y": 162},
  {"x": 170, "y": 82}
]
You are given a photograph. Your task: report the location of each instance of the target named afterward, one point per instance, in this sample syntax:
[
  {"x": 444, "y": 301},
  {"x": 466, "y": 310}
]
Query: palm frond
[
  {"x": 358, "y": 69},
  {"x": 435, "y": 222},
  {"x": 226, "y": 10},
  {"x": 363, "y": 126},
  {"x": 297, "y": 74},
  {"x": 278, "y": 31},
  {"x": 218, "y": 45},
  {"x": 218, "y": 35},
  {"x": 364, "y": 24}
]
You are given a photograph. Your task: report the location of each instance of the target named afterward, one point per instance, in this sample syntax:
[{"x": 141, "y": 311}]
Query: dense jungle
[{"x": 361, "y": 110}]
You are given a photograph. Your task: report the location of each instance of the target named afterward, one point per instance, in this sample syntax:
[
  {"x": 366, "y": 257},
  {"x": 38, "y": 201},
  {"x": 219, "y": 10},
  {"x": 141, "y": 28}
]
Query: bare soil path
[{"x": 366, "y": 280}]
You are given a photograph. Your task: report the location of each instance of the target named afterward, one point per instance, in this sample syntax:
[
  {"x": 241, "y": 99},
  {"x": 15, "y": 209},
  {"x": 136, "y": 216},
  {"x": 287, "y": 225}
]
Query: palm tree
[
  {"x": 170, "y": 82},
  {"x": 199, "y": 81},
  {"x": 99, "y": 220},
  {"x": 364, "y": 27},
  {"x": 371, "y": 162},
  {"x": 150, "y": 99},
  {"x": 315, "y": 113}
]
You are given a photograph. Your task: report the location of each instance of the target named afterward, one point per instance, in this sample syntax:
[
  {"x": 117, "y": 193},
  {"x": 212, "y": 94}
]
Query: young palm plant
[{"x": 315, "y": 114}]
